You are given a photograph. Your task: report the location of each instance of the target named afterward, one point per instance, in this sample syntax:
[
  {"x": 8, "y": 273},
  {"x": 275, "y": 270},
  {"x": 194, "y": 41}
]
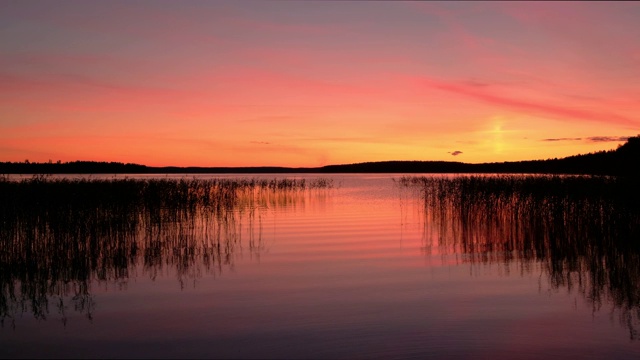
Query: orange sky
[{"x": 243, "y": 83}]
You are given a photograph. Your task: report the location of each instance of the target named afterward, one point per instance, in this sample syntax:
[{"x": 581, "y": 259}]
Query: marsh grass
[
  {"x": 584, "y": 231},
  {"x": 58, "y": 236}
]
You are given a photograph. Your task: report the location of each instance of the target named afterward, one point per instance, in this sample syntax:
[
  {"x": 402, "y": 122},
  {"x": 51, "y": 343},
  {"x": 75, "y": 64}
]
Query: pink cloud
[{"x": 563, "y": 112}]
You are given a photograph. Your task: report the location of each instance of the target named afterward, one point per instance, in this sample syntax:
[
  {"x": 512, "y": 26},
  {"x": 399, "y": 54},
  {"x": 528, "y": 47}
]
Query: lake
[{"x": 348, "y": 266}]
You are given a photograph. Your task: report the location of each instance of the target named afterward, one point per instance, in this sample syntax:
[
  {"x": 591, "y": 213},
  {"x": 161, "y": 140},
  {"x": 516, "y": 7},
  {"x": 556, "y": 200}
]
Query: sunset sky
[{"x": 303, "y": 83}]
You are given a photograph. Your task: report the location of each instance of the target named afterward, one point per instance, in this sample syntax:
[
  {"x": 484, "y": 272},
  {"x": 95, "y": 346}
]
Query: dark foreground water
[{"x": 374, "y": 266}]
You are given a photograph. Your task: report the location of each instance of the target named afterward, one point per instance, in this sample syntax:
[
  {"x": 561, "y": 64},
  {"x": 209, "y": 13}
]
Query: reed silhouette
[
  {"x": 60, "y": 236},
  {"x": 584, "y": 231}
]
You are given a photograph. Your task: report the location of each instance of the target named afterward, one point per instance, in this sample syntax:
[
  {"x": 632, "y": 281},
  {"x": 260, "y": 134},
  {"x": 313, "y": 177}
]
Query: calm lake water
[{"x": 367, "y": 268}]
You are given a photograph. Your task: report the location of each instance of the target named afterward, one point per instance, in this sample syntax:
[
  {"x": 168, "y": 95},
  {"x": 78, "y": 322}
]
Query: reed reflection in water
[
  {"x": 583, "y": 231},
  {"x": 59, "y": 236}
]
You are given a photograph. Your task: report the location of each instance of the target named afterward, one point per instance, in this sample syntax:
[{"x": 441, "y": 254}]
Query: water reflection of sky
[{"x": 342, "y": 272}]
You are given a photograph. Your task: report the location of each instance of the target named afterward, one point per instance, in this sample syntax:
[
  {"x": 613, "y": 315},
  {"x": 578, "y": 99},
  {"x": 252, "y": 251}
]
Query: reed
[
  {"x": 58, "y": 236},
  {"x": 584, "y": 231}
]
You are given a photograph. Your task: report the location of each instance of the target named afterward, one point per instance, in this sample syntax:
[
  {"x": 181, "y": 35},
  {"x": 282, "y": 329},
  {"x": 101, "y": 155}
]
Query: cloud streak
[
  {"x": 484, "y": 94},
  {"x": 562, "y": 139},
  {"x": 607, "y": 138},
  {"x": 592, "y": 139}
]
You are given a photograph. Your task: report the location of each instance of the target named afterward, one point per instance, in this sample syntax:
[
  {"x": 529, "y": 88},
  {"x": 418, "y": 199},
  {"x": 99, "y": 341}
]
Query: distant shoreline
[{"x": 622, "y": 161}]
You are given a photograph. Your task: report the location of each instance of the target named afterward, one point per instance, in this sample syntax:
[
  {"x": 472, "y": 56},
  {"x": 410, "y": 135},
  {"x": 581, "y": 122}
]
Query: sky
[{"x": 312, "y": 83}]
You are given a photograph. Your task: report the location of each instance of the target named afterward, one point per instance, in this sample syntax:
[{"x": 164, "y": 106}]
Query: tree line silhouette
[{"x": 621, "y": 161}]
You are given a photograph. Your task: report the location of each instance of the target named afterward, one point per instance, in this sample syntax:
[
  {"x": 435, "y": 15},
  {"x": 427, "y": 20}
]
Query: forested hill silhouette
[{"x": 622, "y": 161}]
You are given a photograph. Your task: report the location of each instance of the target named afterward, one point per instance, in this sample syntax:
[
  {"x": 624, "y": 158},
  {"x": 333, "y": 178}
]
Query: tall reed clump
[
  {"x": 59, "y": 235},
  {"x": 584, "y": 230}
]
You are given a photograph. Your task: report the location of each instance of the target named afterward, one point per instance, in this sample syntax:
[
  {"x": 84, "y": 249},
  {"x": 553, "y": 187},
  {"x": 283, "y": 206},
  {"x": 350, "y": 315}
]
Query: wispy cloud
[
  {"x": 562, "y": 139},
  {"x": 488, "y": 95},
  {"x": 455, "y": 153},
  {"x": 592, "y": 139},
  {"x": 607, "y": 138}
]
